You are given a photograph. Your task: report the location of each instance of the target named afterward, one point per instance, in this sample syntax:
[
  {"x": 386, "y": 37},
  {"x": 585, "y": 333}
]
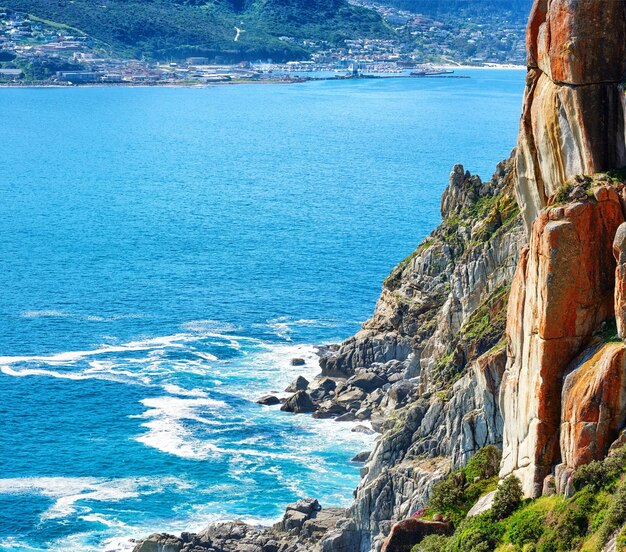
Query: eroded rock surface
[
  {"x": 573, "y": 112},
  {"x": 562, "y": 291}
]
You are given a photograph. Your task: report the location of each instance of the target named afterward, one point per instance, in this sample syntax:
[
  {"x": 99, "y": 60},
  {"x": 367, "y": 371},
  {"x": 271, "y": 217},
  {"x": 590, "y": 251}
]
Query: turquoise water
[{"x": 165, "y": 253}]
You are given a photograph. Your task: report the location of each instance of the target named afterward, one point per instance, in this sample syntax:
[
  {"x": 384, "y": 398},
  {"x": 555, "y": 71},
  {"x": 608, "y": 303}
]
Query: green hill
[
  {"x": 164, "y": 29},
  {"x": 515, "y": 9}
]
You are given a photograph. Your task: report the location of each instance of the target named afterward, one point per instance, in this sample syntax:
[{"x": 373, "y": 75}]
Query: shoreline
[{"x": 496, "y": 67}]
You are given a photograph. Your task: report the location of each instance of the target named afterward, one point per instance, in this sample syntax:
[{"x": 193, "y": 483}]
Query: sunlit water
[{"x": 165, "y": 253}]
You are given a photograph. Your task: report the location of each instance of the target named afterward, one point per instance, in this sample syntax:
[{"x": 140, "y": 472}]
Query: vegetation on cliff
[{"x": 586, "y": 521}]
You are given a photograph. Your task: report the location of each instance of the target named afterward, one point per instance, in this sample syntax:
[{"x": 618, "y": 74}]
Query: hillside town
[{"x": 33, "y": 51}]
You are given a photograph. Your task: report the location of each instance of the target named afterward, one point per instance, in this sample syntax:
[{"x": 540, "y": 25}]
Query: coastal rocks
[
  {"x": 593, "y": 404},
  {"x": 573, "y": 113},
  {"x": 268, "y": 400},
  {"x": 407, "y": 533},
  {"x": 160, "y": 542},
  {"x": 561, "y": 292},
  {"x": 302, "y": 527},
  {"x": 300, "y": 384},
  {"x": 430, "y": 295},
  {"x": 297, "y": 362},
  {"x": 299, "y": 403}
]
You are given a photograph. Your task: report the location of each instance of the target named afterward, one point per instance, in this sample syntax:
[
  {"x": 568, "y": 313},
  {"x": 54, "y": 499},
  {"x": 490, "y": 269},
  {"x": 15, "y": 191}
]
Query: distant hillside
[
  {"x": 162, "y": 29},
  {"x": 517, "y": 9}
]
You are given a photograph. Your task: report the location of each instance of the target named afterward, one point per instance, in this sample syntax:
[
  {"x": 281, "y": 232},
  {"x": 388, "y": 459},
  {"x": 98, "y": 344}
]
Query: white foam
[
  {"x": 176, "y": 390},
  {"x": 68, "y": 491},
  {"x": 45, "y": 314},
  {"x": 166, "y": 429}
]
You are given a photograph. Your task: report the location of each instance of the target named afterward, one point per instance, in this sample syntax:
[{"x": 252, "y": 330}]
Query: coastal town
[{"x": 35, "y": 51}]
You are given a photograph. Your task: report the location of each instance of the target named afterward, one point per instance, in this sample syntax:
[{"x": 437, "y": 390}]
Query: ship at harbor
[{"x": 427, "y": 71}]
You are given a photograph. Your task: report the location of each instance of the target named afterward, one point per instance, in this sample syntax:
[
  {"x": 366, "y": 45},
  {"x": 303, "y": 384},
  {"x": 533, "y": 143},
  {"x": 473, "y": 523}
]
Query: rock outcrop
[
  {"x": 407, "y": 532},
  {"x": 562, "y": 291},
  {"x": 593, "y": 404},
  {"x": 573, "y": 112}
]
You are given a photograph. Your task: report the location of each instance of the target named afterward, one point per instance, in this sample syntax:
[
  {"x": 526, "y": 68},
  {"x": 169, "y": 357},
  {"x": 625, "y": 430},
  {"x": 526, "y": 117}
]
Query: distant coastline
[{"x": 287, "y": 80}]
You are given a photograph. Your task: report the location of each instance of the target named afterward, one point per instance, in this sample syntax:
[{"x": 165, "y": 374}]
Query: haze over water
[{"x": 165, "y": 252}]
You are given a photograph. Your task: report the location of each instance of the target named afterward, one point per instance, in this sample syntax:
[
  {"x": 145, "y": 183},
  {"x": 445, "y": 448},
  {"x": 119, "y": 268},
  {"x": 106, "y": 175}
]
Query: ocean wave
[
  {"x": 68, "y": 492},
  {"x": 167, "y": 431},
  {"x": 51, "y": 313}
]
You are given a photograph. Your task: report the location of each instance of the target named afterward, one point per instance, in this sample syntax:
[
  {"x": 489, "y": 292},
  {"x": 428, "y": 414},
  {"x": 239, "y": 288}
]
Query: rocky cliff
[
  {"x": 505, "y": 327},
  {"x": 573, "y": 112}
]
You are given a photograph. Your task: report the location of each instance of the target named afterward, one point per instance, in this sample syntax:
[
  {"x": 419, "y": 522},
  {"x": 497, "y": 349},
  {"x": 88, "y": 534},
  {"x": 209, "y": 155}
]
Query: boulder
[
  {"x": 299, "y": 403},
  {"x": 299, "y": 384},
  {"x": 367, "y": 381},
  {"x": 297, "y": 362},
  {"x": 407, "y": 533},
  {"x": 160, "y": 542},
  {"x": 268, "y": 400},
  {"x": 483, "y": 504},
  {"x": 362, "y": 457}
]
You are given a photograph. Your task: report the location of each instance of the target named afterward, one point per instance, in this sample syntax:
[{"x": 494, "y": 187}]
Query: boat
[{"x": 430, "y": 72}]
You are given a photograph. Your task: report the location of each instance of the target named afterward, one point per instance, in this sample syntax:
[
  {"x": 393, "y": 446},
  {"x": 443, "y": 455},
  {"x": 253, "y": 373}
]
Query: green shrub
[
  {"x": 447, "y": 496},
  {"x": 508, "y": 497},
  {"x": 431, "y": 543},
  {"x": 526, "y": 527},
  {"x": 566, "y": 531},
  {"x": 615, "y": 516},
  {"x": 600, "y": 474},
  {"x": 479, "y": 533},
  {"x": 484, "y": 464}
]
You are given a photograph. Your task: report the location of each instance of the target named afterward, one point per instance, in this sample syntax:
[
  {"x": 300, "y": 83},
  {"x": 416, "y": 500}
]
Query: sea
[{"x": 164, "y": 255}]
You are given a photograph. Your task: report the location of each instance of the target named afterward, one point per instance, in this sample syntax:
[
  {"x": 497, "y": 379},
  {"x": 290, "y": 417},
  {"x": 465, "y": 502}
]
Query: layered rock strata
[{"x": 573, "y": 112}]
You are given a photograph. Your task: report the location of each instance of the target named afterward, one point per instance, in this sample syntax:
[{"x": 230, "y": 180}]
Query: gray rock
[
  {"x": 483, "y": 504},
  {"x": 362, "y": 457},
  {"x": 160, "y": 542},
  {"x": 299, "y": 403},
  {"x": 363, "y": 429},
  {"x": 299, "y": 384},
  {"x": 347, "y": 417},
  {"x": 268, "y": 400},
  {"x": 297, "y": 362},
  {"x": 367, "y": 381}
]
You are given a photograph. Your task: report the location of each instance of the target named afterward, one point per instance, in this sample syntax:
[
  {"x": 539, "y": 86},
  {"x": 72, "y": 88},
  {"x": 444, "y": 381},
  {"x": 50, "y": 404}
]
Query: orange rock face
[
  {"x": 578, "y": 42},
  {"x": 562, "y": 291},
  {"x": 573, "y": 112},
  {"x": 593, "y": 404}
]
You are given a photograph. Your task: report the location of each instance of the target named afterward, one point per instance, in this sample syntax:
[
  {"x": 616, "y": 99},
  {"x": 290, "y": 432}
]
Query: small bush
[
  {"x": 526, "y": 527},
  {"x": 615, "y": 516},
  {"x": 447, "y": 495},
  {"x": 484, "y": 464},
  {"x": 431, "y": 543},
  {"x": 566, "y": 531},
  {"x": 480, "y": 533},
  {"x": 600, "y": 474},
  {"x": 508, "y": 497}
]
